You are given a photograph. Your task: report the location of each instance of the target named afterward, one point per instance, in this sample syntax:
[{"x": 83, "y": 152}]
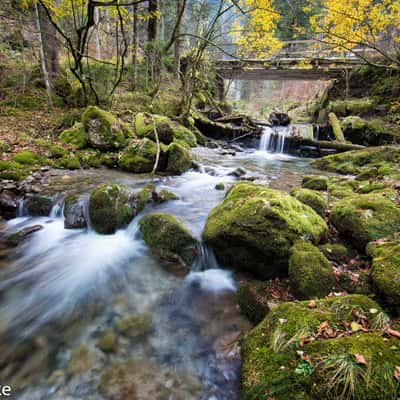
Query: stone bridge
[{"x": 296, "y": 60}]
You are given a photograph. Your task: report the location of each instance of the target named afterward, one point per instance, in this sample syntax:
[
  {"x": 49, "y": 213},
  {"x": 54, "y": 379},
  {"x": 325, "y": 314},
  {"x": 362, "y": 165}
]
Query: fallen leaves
[
  {"x": 360, "y": 359},
  {"x": 391, "y": 332},
  {"x": 396, "y": 373}
]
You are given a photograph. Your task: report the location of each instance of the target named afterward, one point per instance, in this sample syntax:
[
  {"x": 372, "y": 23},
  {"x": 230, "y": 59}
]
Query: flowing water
[{"x": 62, "y": 290}]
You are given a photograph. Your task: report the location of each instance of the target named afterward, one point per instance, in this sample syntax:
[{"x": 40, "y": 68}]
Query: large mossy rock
[
  {"x": 369, "y": 132},
  {"x": 140, "y": 157},
  {"x": 76, "y": 136},
  {"x": 310, "y": 273},
  {"x": 167, "y": 130},
  {"x": 311, "y": 198},
  {"x": 179, "y": 159},
  {"x": 165, "y": 234},
  {"x": 364, "y": 218},
  {"x": 314, "y": 182},
  {"x": 294, "y": 353},
  {"x": 110, "y": 208},
  {"x": 386, "y": 269},
  {"x": 105, "y": 131},
  {"x": 254, "y": 227},
  {"x": 385, "y": 159},
  {"x": 351, "y": 107}
]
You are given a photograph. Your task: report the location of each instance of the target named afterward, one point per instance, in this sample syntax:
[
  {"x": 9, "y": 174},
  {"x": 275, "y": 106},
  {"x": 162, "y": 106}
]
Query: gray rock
[{"x": 74, "y": 216}]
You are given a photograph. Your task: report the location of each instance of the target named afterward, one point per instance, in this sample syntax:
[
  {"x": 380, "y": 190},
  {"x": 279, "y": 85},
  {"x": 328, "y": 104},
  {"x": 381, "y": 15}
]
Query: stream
[{"x": 61, "y": 290}]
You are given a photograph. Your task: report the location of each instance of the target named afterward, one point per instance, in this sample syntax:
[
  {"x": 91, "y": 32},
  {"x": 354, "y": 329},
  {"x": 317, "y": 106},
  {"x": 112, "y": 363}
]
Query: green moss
[
  {"x": 90, "y": 158},
  {"x": 220, "y": 186},
  {"x": 77, "y": 136},
  {"x": 81, "y": 361},
  {"x": 315, "y": 182},
  {"x": 255, "y": 223},
  {"x": 38, "y": 205},
  {"x": 145, "y": 196},
  {"x": 312, "y": 198},
  {"x": 386, "y": 269},
  {"x": 135, "y": 325},
  {"x": 69, "y": 161},
  {"x": 252, "y": 300},
  {"x": 166, "y": 195},
  {"x": 26, "y": 158},
  {"x": 335, "y": 124},
  {"x": 179, "y": 159},
  {"x": 107, "y": 342},
  {"x": 105, "y": 131},
  {"x": 270, "y": 363},
  {"x": 12, "y": 170},
  {"x": 167, "y": 130},
  {"x": 4, "y": 147},
  {"x": 335, "y": 252},
  {"x": 110, "y": 208},
  {"x": 351, "y": 107},
  {"x": 310, "y": 273},
  {"x": 141, "y": 156},
  {"x": 365, "y": 218},
  {"x": 166, "y": 234}
]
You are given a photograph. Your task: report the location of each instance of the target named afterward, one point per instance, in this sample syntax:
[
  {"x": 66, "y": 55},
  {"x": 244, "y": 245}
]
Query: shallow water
[{"x": 61, "y": 290}]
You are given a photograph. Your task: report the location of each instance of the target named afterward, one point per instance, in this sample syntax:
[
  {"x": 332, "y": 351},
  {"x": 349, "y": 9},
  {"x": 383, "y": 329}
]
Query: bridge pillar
[{"x": 220, "y": 83}]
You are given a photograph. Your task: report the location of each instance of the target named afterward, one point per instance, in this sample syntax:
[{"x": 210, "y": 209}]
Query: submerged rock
[
  {"x": 108, "y": 342},
  {"x": 165, "y": 234},
  {"x": 16, "y": 238},
  {"x": 74, "y": 216},
  {"x": 310, "y": 273},
  {"x": 110, "y": 208},
  {"x": 386, "y": 269},
  {"x": 135, "y": 325},
  {"x": 364, "y": 218},
  {"x": 105, "y": 131},
  {"x": 312, "y": 198},
  {"x": 296, "y": 351},
  {"x": 254, "y": 227}
]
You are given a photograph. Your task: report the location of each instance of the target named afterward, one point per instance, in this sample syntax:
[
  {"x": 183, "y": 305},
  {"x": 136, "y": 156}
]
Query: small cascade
[
  {"x": 56, "y": 211},
  {"x": 205, "y": 259},
  {"x": 274, "y": 139}
]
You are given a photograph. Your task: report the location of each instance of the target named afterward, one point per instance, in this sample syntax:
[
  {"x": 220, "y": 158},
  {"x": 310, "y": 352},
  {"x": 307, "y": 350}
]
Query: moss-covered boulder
[
  {"x": 312, "y": 198},
  {"x": 386, "y": 269},
  {"x": 140, "y": 157},
  {"x": 351, "y": 107},
  {"x": 110, "y": 208},
  {"x": 310, "y": 273},
  {"x": 315, "y": 182},
  {"x": 369, "y": 132},
  {"x": 105, "y": 131},
  {"x": 26, "y": 157},
  {"x": 168, "y": 237},
  {"x": 38, "y": 205},
  {"x": 335, "y": 252},
  {"x": 254, "y": 227},
  {"x": 364, "y": 218},
  {"x": 295, "y": 352},
  {"x": 382, "y": 158},
  {"x": 179, "y": 159},
  {"x": 167, "y": 130},
  {"x": 69, "y": 161},
  {"x": 76, "y": 136},
  {"x": 252, "y": 300}
]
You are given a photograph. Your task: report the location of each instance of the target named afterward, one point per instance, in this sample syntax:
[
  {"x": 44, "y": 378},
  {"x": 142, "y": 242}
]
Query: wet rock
[
  {"x": 254, "y": 227},
  {"x": 105, "y": 131},
  {"x": 365, "y": 218},
  {"x": 310, "y": 273},
  {"x": 166, "y": 235},
  {"x": 16, "y": 238},
  {"x": 220, "y": 186},
  {"x": 8, "y": 204},
  {"x": 74, "y": 215},
  {"x": 238, "y": 172},
  {"x": 212, "y": 145},
  {"x": 108, "y": 342},
  {"x": 279, "y": 118},
  {"x": 38, "y": 205},
  {"x": 227, "y": 153},
  {"x": 252, "y": 300},
  {"x": 164, "y": 195},
  {"x": 110, "y": 208}
]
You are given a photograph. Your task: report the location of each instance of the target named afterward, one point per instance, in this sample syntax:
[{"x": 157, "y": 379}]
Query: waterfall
[{"x": 273, "y": 139}]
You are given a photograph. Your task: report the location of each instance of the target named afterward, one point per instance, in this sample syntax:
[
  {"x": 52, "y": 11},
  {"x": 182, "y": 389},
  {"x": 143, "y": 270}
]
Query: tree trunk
[
  {"x": 43, "y": 59},
  {"x": 50, "y": 45},
  {"x": 153, "y": 21},
  {"x": 134, "y": 46},
  {"x": 97, "y": 38},
  {"x": 177, "y": 43}
]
